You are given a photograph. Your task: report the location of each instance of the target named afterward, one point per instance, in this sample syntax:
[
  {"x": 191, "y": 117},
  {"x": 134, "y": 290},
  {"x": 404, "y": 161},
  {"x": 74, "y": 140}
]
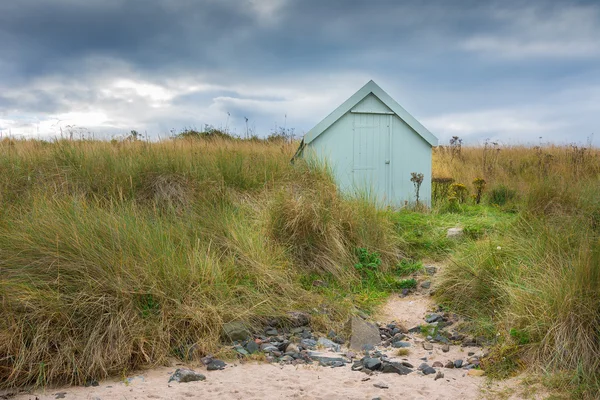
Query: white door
[{"x": 371, "y": 161}]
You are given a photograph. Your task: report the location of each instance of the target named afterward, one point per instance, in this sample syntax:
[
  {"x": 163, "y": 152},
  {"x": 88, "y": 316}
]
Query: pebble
[
  {"x": 183, "y": 375},
  {"x": 458, "y": 363},
  {"x": 449, "y": 364},
  {"x": 439, "y": 375},
  {"x": 216, "y": 365},
  {"x": 446, "y": 348},
  {"x": 252, "y": 347},
  {"x": 400, "y": 344},
  {"x": 292, "y": 348},
  {"x": 433, "y": 318},
  {"x": 429, "y": 371},
  {"x": 437, "y": 364},
  {"x": 426, "y": 284},
  {"x": 427, "y": 346},
  {"x": 381, "y": 385}
]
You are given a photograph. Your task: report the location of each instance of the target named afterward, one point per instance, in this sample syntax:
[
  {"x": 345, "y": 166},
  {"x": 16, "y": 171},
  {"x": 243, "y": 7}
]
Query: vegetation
[{"x": 118, "y": 255}]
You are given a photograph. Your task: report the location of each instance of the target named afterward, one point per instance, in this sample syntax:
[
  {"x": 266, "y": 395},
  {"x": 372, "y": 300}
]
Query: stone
[
  {"x": 439, "y": 375},
  {"x": 395, "y": 367},
  {"x": 241, "y": 350},
  {"x": 297, "y": 331},
  {"x": 235, "y": 331},
  {"x": 437, "y": 364},
  {"x": 446, "y": 348},
  {"x": 476, "y": 372},
  {"x": 399, "y": 336},
  {"x": 60, "y": 395},
  {"x": 449, "y": 364},
  {"x": 431, "y": 318},
  {"x": 339, "y": 339},
  {"x": 286, "y": 359},
  {"x": 381, "y": 385},
  {"x": 292, "y": 348},
  {"x": 374, "y": 364},
  {"x": 400, "y": 344},
  {"x": 455, "y": 233},
  {"x": 430, "y": 269},
  {"x": 271, "y": 332},
  {"x": 298, "y": 318},
  {"x": 423, "y": 366},
  {"x": 364, "y": 334},
  {"x": 268, "y": 348},
  {"x": 252, "y": 347},
  {"x": 183, "y": 375},
  {"x": 308, "y": 343},
  {"x": 427, "y": 346},
  {"x": 426, "y": 284},
  {"x": 458, "y": 363},
  {"x": 407, "y": 364},
  {"x": 216, "y": 365},
  {"x": 91, "y": 382},
  {"x": 429, "y": 371},
  {"x": 328, "y": 344},
  {"x": 327, "y": 358},
  {"x": 206, "y": 360}
]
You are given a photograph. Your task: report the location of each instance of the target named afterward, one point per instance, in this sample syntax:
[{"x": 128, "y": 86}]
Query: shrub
[{"x": 501, "y": 195}]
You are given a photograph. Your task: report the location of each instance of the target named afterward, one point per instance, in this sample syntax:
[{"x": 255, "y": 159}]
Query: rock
[
  {"x": 399, "y": 336},
  {"x": 364, "y": 334},
  {"x": 335, "y": 364},
  {"x": 455, "y": 233},
  {"x": 395, "y": 367},
  {"x": 415, "y": 329},
  {"x": 252, "y": 347},
  {"x": 446, "y": 348},
  {"x": 381, "y": 385},
  {"x": 183, "y": 375},
  {"x": 439, "y": 375},
  {"x": 241, "y": 350},
  {"x": 427, "y": 346},
  {"x": 292, "y": 348},
  {"x": 429, "y": 371},
  {"x": 423, "y": 366},
  {"x": 286, "y": 359},
  {"x": 449, "y": 364},
  {"x": 216, "y": 365},
  {"x": 476, "y": 372},
  {"x": 328, "y": 344},
  {"x": 268, "y": 348},
  {"x": 308, "y": 343},
  {"x": 206, "y": 360},
  {"x": 433, "y": 318},
  {"x": 400, "y": 344},
  {"x": 374, "y": 364},
  {"x": 458, "y": 363},
  {"x": 407, "y": 364},
  {"x": 271, "y": 332},
  {"x": 235, "y": 331},
  {"x": 426, "y": 284},
  {"x": 60, "y": 395},
  {"x": 351, "y": 354},
  {"x": 430, "y": 269},
  {"x": 297, "y": 331},
  {"x": 327, "y": 358},
  {"x": 91, "y": 382},
  {"x": 339, "y": 339},
  {"x": 437, "y": 364}
]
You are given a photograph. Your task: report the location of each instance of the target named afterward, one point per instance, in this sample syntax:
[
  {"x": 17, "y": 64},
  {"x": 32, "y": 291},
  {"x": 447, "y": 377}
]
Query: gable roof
[{"x": 370, "y": 87}]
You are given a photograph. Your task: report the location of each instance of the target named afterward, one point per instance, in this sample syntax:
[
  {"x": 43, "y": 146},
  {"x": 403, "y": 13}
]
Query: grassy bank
[
  {"x": 119, "y": 255},
  {"x": 533, "y": 287}
]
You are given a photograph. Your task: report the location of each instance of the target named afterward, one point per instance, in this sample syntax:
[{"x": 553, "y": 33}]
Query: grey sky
[{"x": 506, "y": 70}]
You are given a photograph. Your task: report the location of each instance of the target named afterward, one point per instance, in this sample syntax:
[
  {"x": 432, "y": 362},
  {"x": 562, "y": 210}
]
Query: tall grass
[
  {"x": 537, "y": 282},
  {"x": 118, "y": 255}
]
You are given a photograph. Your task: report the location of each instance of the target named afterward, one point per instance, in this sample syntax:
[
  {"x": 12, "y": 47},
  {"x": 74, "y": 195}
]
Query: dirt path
[{"x": 274, "y": 381}]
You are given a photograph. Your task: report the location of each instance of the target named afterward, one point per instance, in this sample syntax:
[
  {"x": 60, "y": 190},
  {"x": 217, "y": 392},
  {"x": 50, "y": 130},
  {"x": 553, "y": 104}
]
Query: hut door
[{"x": 371, "y": 170}]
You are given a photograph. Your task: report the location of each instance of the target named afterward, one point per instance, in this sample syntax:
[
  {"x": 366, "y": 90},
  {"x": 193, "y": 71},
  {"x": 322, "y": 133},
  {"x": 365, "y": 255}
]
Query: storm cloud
[{"x": 504, "y": 70}]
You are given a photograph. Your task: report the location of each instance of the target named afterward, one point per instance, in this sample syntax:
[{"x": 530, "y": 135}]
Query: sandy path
[{"x": 273, "y": 381}]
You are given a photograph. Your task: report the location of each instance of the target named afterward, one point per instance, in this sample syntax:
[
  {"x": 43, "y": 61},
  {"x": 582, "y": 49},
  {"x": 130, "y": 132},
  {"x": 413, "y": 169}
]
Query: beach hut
[{"x": 372, "y": 146}]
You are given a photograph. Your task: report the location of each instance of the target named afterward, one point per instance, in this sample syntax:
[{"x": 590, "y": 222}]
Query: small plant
[
  {"x": 407, "y": 267},
  {"x": 417, "y": 180},
  {"x": 522, "y": 337},
  {"x": 402, "y": 352},
  {"x": 459, "y": 191},
  {"x": 407, "y": 283},
  {"x": 455, "y": 147},
  {"x": 368, "y": 263},
  {"x": 479, "y": 184},
  {"x": 501, "y": 195},
  {"x": 440, "y": 188}
]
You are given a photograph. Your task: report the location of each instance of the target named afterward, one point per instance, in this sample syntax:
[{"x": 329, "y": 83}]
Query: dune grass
[
  {"x": 534, "y": 284},
  {"x": 115, "y": 256}
]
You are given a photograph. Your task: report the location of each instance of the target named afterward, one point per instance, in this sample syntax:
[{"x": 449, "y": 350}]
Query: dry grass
[{"x": 115, "y": 256}]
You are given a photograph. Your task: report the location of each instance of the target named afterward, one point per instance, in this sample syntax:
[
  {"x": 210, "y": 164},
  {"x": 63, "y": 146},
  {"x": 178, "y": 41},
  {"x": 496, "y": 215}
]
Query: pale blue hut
[{"x": 373, "y": 145}]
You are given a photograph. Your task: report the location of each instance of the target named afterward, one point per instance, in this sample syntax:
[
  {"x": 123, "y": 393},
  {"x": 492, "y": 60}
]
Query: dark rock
[
  {"x": 426, "y": 284},
  {"x": 439, "y": 375},
  {"x": 297, "y": 331},
  {"x": 308, "y": 343},
  {"x": 235, "y": 331},
  {"x": 373, "y": 364},
  {"x": 286, "y": 359},
  {"x": 407, "y": 364},
  {"x": 400, "y": 344},
  {"x": 60, "y": 395},
  {"x": 241, "y": 350},
  {"x": 364, "y": 334},
  {"x": 405, "y": 292},
  {"x": 292, "y": 348},
  {"x": 206, "y": 360},
  {"x": 446, "y": 348},
  {"x": 268, "y": 348},
  {"x": 429, "y": 371},
  {"x": 415, "y": 329},
  {"x": 395, "y": 367},
  {"x": 423, "y": 366},
  {"x": 357, "y": 366},
  {"x": 91, "y": 382},
  {"x": 470, "y": 353},
  {"x": 271, "y": 332},
  {"x": 327, "y": 358},
  {"x": 252, "y": 347},
  {"x": 331, "y": 334},
  {"x": 437, "y": 364},
  {"x": 335, "y": 364},
  {"x": 306, "y": 334},
  {"x": 216, "y": 365},
  {"x": 339, "y": 339},
  {"x": 433, "y": 318},
  {"x": 183, "y": 375},
  {"x": 449, "y": 364},
  {"x": 458, "y": 363},
  {"x": 399, "y": 336}
]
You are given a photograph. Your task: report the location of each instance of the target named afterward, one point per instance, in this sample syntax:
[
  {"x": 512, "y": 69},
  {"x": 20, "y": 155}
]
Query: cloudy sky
[{"x": 506, "y": 70}]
